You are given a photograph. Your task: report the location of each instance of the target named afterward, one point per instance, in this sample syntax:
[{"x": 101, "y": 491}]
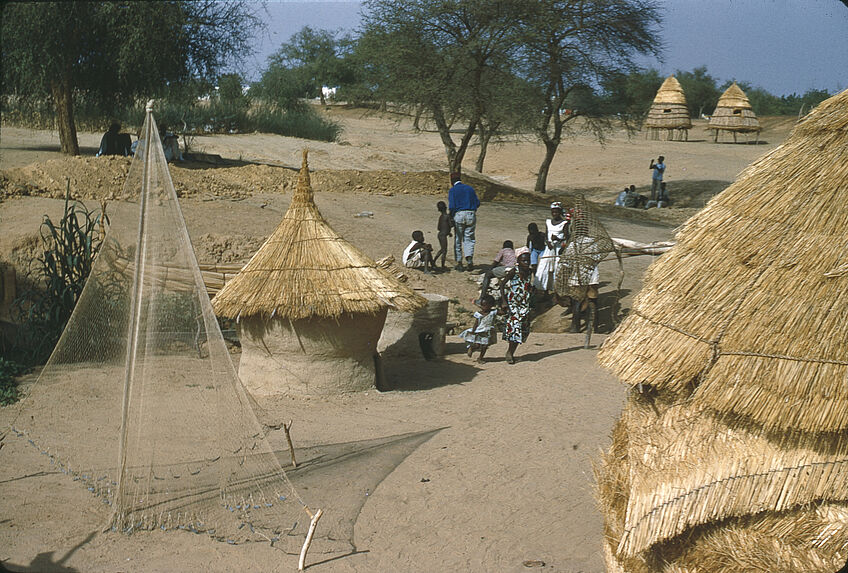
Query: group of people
[
  {"x": 659, "y": 193},
  {"x": 114, "y": 142},
  {"x": 521, "y": 271}
]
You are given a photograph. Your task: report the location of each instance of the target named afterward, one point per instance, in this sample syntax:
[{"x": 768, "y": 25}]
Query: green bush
[
  {"x": 8, "y": 386},
  {"x": 60, "y": 274}
]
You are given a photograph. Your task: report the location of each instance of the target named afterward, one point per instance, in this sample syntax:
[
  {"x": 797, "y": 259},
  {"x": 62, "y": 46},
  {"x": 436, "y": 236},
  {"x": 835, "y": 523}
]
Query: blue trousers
[{"x": 463, "y": 241}]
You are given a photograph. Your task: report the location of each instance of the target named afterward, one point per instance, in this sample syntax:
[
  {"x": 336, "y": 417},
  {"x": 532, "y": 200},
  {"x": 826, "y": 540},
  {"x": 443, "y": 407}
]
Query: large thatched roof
[
  {"x": 749, "y": 309},
  {"x": 685, "y": 469},
  {"x": 305, "y": 269}
]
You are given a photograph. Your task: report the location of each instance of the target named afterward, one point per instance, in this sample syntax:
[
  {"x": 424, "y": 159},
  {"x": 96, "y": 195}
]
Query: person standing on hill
[
  {"x": 658, "y": 168},
  {"x": 462, "y": 206}
]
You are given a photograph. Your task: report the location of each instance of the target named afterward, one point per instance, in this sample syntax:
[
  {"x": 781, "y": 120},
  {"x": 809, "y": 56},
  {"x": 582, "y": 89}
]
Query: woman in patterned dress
[{"x": 516, "y": 288}]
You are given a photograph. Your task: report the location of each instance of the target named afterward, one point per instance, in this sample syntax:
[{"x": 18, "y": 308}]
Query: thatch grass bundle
[
  {"x": 305, "y": 269},
  {"x": 669, "y": 109},
  {"x": 747, "y": 309},
  {"x": 687, "y": 469},
  {"x": 733, "y": 112}
]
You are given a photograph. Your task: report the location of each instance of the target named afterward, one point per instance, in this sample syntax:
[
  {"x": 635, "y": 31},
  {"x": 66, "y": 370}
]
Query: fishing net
[{"x": 140, "y": 400}]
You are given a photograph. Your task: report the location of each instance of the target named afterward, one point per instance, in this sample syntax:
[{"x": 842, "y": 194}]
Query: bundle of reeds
[
  {"x": 306, "y": 269},
  {"x": 668, "y": 111}
]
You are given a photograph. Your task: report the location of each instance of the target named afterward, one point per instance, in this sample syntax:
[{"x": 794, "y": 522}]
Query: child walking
[
  {"x": 444, "y": 231},
  {"x": 483, "y": 333}
]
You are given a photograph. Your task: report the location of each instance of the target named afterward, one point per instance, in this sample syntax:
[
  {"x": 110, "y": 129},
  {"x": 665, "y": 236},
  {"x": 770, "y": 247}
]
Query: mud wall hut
[
  {"x": 736, "y": 437},
  {"x": 734, "y": 114},
  {"x": 310, "y": 307},
  {"x": 668, "y": 113}
]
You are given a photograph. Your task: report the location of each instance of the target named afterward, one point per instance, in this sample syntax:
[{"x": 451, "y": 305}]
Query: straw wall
[{"x": 736, "y": 119}]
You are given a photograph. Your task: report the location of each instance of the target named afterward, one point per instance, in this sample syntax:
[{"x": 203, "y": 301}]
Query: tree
[
  {"x": 571, "y": 46},
  {"x": 316, "y": 57},
  {"x": 113, "y": 52},
  {"x": 437, "y": 54},
  {"x": 630, "y": 95},
  {"x": 700, "y": 89}
]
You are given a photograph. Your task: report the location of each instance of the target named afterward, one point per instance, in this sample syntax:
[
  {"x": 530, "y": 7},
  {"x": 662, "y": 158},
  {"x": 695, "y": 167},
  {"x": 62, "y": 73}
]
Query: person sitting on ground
[
  {"x": 634, "y": 200},
  {"x": 418, "y": 254},
  {"x": 516, "y": 289},
  {"x": 536, "y": 244},
  {"x": 114, "y": 142},
  {"x": 443, "y": 228},
  {"x": 621, "y": 198},
  {"x": 483, "y": 333},
  {"x": 504, "y": 261},
  {"x": 170, "y": 144}
]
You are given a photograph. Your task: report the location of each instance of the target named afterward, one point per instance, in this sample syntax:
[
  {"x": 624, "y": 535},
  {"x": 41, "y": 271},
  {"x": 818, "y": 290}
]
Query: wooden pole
[
  {"x": 287, "y": 430},
  {"x": 301, "y": 563}
]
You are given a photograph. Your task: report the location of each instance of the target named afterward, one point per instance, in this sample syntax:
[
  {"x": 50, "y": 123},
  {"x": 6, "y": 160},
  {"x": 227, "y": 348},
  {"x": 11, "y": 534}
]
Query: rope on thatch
[
  {"x": 747, "y": 306},
  {"x": 305, "y": 269},
  {"x": 687, "y": 469}
]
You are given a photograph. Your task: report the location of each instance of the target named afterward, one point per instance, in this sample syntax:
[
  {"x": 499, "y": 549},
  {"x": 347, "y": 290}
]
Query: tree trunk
[
  {"x": 63, "y": 101},
  {"x": 485, "y": 135},
  {"x": 542, "y": 177},
  {"x": 419, "y": 109}
]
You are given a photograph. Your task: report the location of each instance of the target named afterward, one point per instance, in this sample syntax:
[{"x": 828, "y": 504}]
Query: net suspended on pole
[{"x": 140, "y": 400}]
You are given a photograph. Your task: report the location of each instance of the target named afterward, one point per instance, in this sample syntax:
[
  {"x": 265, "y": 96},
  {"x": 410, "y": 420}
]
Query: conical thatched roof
[
  {"x": 669, "y": 110},
  {"x": 733, "y": 112},
  {"x": 670, "y": 92},
  {"x": 746, "y": 309},
  {"x": 734, "y": 97},
  {"x": 305, "y": 269}
]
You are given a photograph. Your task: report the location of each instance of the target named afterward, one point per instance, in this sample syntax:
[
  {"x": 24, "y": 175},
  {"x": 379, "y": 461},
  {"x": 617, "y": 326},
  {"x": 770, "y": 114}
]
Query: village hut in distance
[
  {"x": 733, "y": 113},
  {"x": 310, "y": 307},
  {"x": 668, "y": 113}
]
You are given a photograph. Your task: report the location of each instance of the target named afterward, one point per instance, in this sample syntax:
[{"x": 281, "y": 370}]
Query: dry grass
[{"x": 305, "y": 269}]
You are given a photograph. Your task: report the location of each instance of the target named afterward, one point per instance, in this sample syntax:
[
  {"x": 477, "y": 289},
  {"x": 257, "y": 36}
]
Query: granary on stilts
[
  {"x": 668, "y": 113},
  {"x": 733, "y": 113},
  {"x": 732, "y": 452},
  {"x": 310, "y": 307}
]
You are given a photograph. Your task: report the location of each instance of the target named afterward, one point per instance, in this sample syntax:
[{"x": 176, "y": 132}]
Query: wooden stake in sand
[
  {"x": 286, "y": 429},
  {"x": 301, "y": 563}
]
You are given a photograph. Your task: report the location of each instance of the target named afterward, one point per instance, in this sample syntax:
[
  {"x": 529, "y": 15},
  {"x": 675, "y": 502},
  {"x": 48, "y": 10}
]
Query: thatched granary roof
[
  {"x": 733, "y": 112},
  {"x": 669, "y": 109},
  {"x": 681, "y": 468},
  {"x": 305, "y": 269},
  {"x": 747, "y": 309},
  {"x": 670, "y": 92}
]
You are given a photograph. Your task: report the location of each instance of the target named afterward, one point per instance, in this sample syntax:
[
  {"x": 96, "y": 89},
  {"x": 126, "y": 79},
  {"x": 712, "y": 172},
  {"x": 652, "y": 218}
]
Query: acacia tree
[
  {"x": 316, "y": 56},
  {"x": 569, "y": 47},
  {"x": 112, "y": 52},
  {"x": 435, "y": 55}
]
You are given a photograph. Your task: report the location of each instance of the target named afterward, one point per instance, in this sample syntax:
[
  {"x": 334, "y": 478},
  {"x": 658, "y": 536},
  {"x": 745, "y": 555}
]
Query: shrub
[{"x": 8, "y": 386}]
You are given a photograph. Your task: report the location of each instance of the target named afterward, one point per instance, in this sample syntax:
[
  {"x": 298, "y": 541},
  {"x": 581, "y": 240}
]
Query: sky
[{"x": 782, "y": 46}]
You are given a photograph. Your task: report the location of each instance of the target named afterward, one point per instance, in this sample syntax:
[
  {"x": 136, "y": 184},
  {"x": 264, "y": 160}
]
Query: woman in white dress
[{"x": 554, "y": 237}]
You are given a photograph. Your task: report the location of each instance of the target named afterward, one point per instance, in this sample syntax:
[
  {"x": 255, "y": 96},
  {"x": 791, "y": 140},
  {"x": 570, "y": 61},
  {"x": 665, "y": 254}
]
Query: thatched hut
[
  {"x": 668, "y": 112},
  {"x": 733, "y": 113},
  {"x": 310, "y": 307},
  {"x": 738, "y": 336}
]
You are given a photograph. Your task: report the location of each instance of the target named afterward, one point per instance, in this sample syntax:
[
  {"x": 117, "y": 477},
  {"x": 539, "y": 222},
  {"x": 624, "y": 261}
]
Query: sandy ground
[{"x": 506, "y": 483}]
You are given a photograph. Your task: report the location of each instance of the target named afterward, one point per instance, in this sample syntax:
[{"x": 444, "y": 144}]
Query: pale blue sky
[{"x": 783, "y": 46}]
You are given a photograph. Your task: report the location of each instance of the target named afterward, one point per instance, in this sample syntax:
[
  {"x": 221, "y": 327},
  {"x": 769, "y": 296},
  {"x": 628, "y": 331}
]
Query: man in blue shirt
[
  {"x": 462, "y": 207},
  {"x": 658, "y": 169}
]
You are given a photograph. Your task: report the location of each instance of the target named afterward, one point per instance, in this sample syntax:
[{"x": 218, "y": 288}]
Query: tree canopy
[{"x": 109, "y": 52}]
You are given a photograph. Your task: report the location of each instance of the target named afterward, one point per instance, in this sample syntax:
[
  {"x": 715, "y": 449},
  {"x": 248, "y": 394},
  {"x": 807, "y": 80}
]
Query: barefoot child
[
  {"x": 444, "y": 231},
  {"x": 482, "y": 334}
]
